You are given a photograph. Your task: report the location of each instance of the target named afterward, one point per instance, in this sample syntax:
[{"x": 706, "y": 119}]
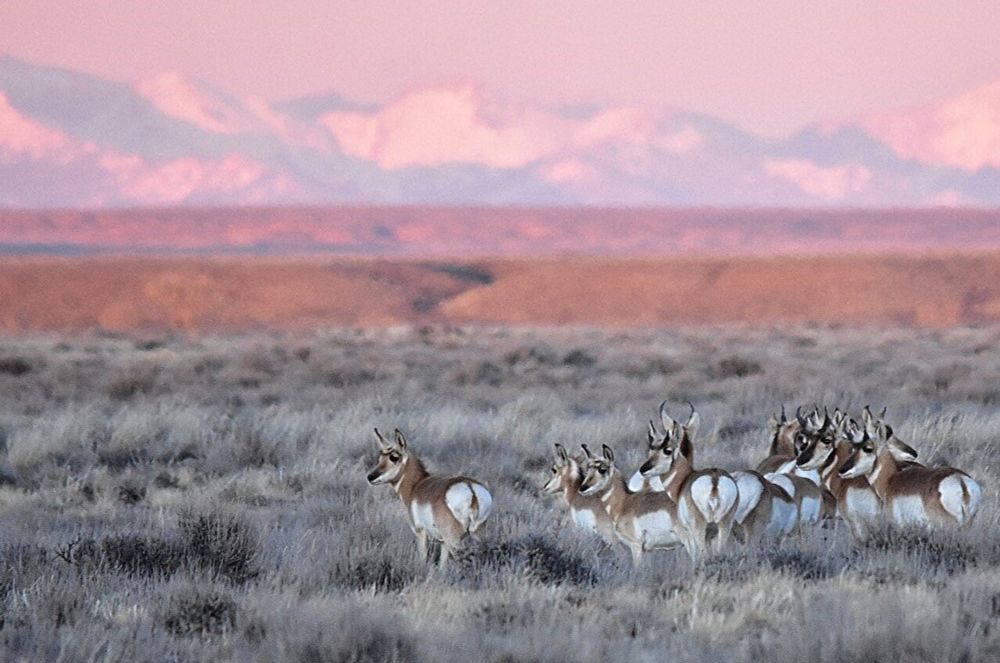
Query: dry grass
[{"x": 169, "y": 499}]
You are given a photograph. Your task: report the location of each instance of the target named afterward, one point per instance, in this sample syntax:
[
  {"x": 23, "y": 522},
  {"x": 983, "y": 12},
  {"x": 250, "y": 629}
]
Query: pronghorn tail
[{"x": 715, "y": 495}]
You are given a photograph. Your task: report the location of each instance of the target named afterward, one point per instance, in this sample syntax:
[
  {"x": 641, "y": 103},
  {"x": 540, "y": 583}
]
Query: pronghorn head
[
  {"x": 783, "y": 432},
  {"x": 598, "y": 471},
  {"x": 675, "y": 442},
  {"x": 392, "y": 457},
  {"x": 863, "y": 456},
  {"x": 876, "y": 426},
  {"x": 565, "y": 468},
  {"x": 815, "y": 444}
]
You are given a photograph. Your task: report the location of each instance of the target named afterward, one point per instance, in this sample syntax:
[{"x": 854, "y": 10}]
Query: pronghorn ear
[
  {"x": 561, "y": 452},
  {"x": 866, "y": 415},
  {"x": 881, "y": 415},
  {"x": 800, "y": 418},
  {"x": 665, "y": 419},
  {"x": 784, "y": 418},
  {"x": 888, "y": 432},
  {"x": 609, "y": 455},
  {"x": 773, "y": 423},
  {"x": 652, "y": 433},
  {"x": 400, "y": 440},
  {"x": 693, "y": 422},
  {"x": 379, "y": 440}
]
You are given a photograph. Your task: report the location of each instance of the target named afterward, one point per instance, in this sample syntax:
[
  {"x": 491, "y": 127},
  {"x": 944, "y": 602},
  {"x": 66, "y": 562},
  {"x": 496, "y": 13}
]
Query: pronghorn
[
  {"x": 905, "y": 455},
  {"x": 706, "y": 499},
  {"x": 586, "y": 512},
  {"x": 805, "y": 484},
  {"x": 642, "y": 521},
  {"x": 764, "y": 510},
  {"x": 941, "y": 496},
  {"x": 444, "y": 509},
  {"x": 857, "y": 502},
  {"x": 782, "y": 447}
]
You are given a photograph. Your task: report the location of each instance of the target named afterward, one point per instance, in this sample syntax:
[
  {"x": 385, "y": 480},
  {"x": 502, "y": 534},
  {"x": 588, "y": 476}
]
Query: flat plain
[{"x": 172, "y": 498}]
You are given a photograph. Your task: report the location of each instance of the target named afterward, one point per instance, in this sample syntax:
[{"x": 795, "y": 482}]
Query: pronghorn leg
[
  {"x": 443, "y": 559},
  {"x": 636, "y": 549},
  {"x": 422, "y": 544}
]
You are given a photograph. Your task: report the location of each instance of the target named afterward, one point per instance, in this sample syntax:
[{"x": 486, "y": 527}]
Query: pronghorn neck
[
  {"x": 413, "y": 472},
  {"x": 613, "y": 497},
  {"x": 571, "y": 487},
  {"x": 679, "y": 472},
  {"x": 828, "y": 472},
  {"x": 882, "y": 472}
]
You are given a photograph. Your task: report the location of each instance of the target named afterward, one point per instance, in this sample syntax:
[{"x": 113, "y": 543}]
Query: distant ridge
[
  {"x": 198, "y": 295},
  {"x": 462, "y": 232}
]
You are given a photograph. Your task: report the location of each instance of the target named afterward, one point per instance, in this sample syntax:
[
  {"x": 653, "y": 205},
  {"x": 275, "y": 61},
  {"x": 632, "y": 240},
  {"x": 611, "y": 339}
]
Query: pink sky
[{"x": 768, "y": 66}]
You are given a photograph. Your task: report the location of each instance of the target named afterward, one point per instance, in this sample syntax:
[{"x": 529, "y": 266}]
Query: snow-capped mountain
[{"x": 70, "y": 139}]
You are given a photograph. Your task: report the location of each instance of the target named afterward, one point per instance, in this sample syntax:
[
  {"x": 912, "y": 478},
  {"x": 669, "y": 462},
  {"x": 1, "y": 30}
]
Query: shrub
[
  {"x": 221, "y": 544},
  {"x": 199, "y": 612}
]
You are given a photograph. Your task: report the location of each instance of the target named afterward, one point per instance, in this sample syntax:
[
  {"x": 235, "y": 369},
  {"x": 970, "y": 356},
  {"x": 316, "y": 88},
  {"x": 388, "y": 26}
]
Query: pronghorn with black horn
[
  {"x": 942, "y": 496},
  {"x": 445, "y": 509},
  {"x": 805, "y": 486},
  {"x": 706, "y": 499},
  {"x": 782, "y": 447},
  {"x": 586, "y": 512},
  {"x": 765, "y": 510},
  {"x": 642, "y": 521}
]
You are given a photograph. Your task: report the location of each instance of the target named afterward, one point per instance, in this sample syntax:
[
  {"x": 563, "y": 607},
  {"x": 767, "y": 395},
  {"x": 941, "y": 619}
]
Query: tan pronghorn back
[
  {"x": 588, "y": 513},
  {"x": 943, "y": 496},
  {"x": 438, "y": 508},
  {"x": 642, "y": 521}
]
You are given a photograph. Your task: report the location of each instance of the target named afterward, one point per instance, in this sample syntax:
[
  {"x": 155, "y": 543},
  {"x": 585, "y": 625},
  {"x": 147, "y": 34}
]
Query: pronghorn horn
[
  {"x": 694, "y": 420},
  {"x": 381, "y": 440},
  {"x": 665, "y": 418},
  {"x": 784, "y": 418},
  {"x": 586, "y": 451},
  {"x": 799, "y": 417},
  {"x": 881, "y": 415}
]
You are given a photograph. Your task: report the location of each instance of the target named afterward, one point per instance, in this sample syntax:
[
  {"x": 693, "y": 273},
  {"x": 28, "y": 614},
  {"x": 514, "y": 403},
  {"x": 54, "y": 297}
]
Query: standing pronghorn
[
  {"x": 642, "y": 521},
  {"x": 586, "y": 512},
  {"x": 943, "y": 496},
  {"x": 857, "y": 502},
  {"x": 706, "y": 499},
  {"x": 444, "y": 509},
  {"x": 765, "y": 510}
]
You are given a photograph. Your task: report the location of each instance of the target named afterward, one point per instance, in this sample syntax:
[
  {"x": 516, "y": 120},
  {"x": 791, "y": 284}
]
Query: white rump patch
[
  {"x": 459, "y": 500},
  {"x": 714, "y": 507},
  {"x": 751, "y": 489},
  {"x": 952, "y": 494}
]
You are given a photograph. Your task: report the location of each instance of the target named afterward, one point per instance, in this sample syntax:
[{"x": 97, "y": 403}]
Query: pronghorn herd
[{"x": 819, "y": 466}]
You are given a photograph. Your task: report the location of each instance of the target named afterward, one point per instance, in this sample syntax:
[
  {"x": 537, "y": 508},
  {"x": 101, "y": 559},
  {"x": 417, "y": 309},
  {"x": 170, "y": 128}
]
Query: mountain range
[{"x": 70, "y": 139}]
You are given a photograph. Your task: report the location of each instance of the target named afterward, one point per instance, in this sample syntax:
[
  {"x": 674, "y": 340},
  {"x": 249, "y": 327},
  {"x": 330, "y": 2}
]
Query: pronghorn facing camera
[
  {"x": 586, "y": 512},
  {"x": 642, "y": 521},
  {"x": 943, "y": 496},
  {"x": 444, "y": 509},
  {"x": 857, "y": 502},
  {"x": 706, "y": 499}
]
